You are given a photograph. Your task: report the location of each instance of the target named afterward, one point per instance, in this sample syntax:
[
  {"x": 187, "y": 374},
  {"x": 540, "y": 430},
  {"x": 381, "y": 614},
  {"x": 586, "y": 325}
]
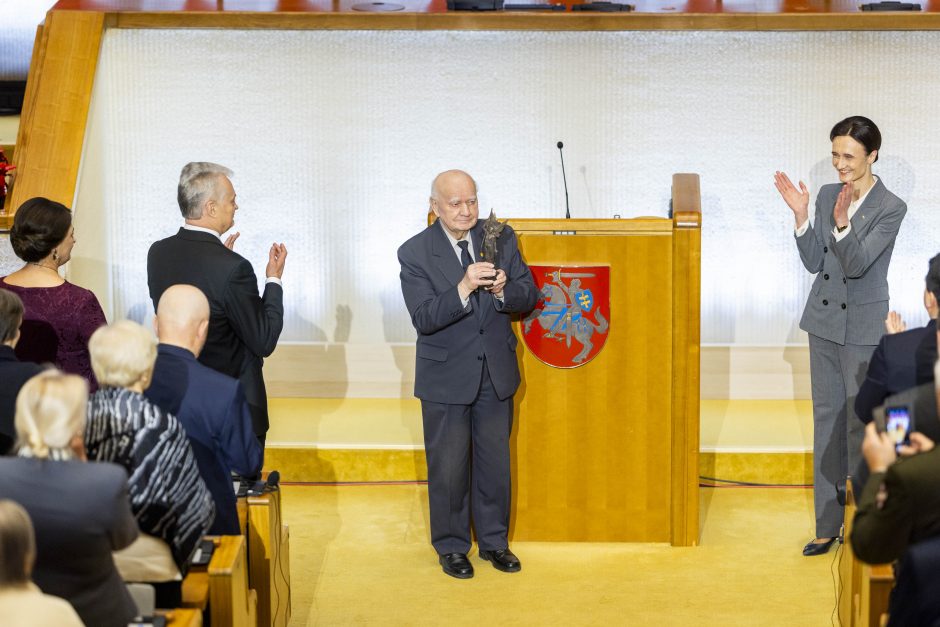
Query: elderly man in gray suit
[
  {"x": 466, "y": 371},
  {"x": 849, "y": 246}
]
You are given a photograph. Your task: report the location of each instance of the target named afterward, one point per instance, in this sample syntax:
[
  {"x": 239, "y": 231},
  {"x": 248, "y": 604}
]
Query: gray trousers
[{"x": 836, "y": 372}]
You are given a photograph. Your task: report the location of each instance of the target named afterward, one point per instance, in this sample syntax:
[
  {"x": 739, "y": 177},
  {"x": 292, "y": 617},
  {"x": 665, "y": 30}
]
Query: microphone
[{"x": 565, "y": 179}]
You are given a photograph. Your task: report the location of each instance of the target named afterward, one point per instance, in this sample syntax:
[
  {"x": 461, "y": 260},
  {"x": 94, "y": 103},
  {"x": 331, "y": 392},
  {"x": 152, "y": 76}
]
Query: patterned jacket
[{"x": 168, "y": 496}]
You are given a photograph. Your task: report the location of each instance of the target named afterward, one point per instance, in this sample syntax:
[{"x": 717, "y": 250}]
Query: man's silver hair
[{"x": 198, "y": 181}]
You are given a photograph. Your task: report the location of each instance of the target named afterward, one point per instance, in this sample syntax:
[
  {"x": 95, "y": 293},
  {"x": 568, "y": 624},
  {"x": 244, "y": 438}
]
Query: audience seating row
[{"x": 866, "y": 588}]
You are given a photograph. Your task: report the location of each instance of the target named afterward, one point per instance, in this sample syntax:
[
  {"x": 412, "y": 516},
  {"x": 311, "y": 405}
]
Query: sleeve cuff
[
  {"x": 273, "y": 279},
  {"x": 801, "y": 230},
  {"x": 841, "y": 236}
]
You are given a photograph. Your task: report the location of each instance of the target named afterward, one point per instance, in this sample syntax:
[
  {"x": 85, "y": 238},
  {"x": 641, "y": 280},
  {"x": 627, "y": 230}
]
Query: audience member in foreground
[
  {"x": 466, "y": 372},
  {"x": 80, "y": 511},
  {"x": 243, "y": 326},
  {"x": 22, "y": 604},
  {"x": 168, "y": 496},
  {"x": 13, "y": 373},
  {"x": 210, "y": 406},
  {"x": 60, "y": 316},
  {"x": 903, "y": 358},
  {"x": 900, "y": 504}
]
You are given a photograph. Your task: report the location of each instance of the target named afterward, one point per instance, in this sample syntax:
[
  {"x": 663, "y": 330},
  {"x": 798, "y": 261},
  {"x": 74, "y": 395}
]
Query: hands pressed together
[
  {"x": 482, "y": 274},
  {"x": 798, "y": 200},
  {"x": 277, "y": 256}
]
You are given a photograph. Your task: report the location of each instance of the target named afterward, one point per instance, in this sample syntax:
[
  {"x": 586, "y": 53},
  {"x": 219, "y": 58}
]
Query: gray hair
[{"x": 197, "y": 183}]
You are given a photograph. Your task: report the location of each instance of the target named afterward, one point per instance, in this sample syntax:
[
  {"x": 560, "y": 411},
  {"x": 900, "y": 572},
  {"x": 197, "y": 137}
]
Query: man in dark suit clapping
[
  {"x": 243, "y": 326},
  {"x": 466, "y": 371}
]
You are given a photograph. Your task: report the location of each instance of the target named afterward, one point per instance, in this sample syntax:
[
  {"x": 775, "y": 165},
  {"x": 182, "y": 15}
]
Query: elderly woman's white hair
[
  {"x": 122, "y": 354},
  {"x": 50, "y": 414}
]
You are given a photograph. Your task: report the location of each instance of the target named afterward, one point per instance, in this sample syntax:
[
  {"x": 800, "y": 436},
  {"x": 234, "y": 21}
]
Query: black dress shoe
[
  {"x": 457, "y": 565},
  {"x": 818, "y": 548},
  {"x": 502, "y": 560}
]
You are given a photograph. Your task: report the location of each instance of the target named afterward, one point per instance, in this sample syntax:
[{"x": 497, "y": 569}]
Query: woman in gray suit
[{"x": 848, "y": 246}]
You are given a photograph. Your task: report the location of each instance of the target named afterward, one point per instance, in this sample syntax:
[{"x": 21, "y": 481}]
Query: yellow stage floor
[{"x": 360, "y": 555}]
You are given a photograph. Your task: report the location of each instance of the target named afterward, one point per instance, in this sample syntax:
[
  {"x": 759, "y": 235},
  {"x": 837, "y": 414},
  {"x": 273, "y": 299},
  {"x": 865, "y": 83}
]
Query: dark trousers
[{"x": 467, "y": 449}]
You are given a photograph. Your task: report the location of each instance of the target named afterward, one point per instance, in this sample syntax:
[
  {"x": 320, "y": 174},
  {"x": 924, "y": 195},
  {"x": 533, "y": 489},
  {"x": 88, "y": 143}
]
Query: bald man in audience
[{"x": 210, "y": 405}]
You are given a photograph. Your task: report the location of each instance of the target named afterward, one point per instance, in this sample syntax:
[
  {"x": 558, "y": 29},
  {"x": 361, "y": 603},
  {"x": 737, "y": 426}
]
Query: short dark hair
[
  {"x": 933, "y": 277},
  {"x": 17, "y": 544},
  {"x": 861, "y": 129},
  {"x": 11, "y": 315},
  {"x": 39, "y": 226}
]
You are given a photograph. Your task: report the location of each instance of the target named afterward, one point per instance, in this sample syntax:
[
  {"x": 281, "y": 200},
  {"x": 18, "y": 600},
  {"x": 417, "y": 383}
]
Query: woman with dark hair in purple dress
[{"x": 60, "y": 316}]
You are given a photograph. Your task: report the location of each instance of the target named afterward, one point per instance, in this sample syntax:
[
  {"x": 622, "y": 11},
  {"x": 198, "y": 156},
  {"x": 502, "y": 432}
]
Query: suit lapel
[
  {"x": 447, "y": 261},
  {"x": 866, "y": 213}
]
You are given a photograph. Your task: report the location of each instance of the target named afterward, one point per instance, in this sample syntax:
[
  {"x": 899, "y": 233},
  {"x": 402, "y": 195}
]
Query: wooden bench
[
  {"x": 181, "y": 617},
  {"x": 222, "y": 585},
  {"x": 866, "y": 588},
  {"x": 268, "y": 559}
]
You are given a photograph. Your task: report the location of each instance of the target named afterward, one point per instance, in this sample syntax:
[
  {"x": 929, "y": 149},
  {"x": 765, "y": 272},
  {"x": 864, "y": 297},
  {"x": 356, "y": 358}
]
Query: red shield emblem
[{"x": 569, "y": 325}]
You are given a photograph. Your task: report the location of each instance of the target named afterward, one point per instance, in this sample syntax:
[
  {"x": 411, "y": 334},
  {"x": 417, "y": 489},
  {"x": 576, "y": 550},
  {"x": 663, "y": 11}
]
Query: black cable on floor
[{"x": 749, "y": 484}]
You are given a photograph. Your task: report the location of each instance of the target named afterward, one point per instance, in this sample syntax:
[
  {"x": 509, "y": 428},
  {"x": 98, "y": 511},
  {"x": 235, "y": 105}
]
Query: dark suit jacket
[
  {"x": 453, "y": 340},
  {"x": 212, "y": 409},
  {"x": 81, "y": 513},
  {"x": 911, "y": 509},
  {"x": 901, "y": 361},
  {"x": 915, "y": 600},
  {"x": 243, "y": 326},
  {"x": 13, "y": 374}
]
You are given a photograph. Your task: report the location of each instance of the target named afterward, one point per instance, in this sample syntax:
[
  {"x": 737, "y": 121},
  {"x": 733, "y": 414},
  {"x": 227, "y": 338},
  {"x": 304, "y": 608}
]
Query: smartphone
[{"x": 898, "y": 425}]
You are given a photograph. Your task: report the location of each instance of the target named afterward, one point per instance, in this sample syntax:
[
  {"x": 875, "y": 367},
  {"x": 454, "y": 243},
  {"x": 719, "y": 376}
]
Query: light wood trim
[
  {"x": 195, "y": 589},
  {"x": 181, "y": 617},
  {"x": 604, "y": 226},
  {"x": 229, "y": 598},
  {"x": 686, "y": 357},
  {"x": 268, "y": 574},
  {"x": 509, "y": 21},
  {"x": 58, "y": 94}
]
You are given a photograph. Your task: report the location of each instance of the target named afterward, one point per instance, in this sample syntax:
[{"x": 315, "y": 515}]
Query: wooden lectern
[{"x": 608, "y": 451}]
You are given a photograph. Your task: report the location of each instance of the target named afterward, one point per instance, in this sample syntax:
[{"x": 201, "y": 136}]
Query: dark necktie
[
  {"x": 465, "y": 258},
  {"x": 465, "y": 261}
]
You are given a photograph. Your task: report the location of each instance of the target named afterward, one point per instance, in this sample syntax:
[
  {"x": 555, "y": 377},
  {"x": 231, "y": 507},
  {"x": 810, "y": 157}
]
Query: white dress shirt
[
  {"x": 853, "y": 207},
  {"x": 454, "y": 244}
]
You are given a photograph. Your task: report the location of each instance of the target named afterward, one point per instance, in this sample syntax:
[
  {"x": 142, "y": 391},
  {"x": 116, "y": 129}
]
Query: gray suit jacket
[
  {"x": 849, "y": 300},
  {"x": 452, "y": 339}
]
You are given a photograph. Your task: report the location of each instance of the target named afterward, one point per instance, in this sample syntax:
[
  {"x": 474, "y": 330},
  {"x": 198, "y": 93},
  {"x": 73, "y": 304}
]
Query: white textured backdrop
[{"x": 335, "y": 137}]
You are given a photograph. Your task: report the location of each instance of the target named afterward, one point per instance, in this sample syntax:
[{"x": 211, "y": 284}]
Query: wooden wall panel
[{"x": 52, "y": 129}]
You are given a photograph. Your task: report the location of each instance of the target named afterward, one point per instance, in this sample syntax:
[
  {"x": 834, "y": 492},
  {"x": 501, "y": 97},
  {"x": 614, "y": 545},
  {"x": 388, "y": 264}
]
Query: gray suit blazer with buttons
[
  {"x": 453, "y": 340},
  {"x": 849, "y": 299}
]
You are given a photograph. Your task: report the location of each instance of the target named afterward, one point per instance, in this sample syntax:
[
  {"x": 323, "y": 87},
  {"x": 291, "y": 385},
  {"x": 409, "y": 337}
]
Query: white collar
[{"x": 202, "y": 229}]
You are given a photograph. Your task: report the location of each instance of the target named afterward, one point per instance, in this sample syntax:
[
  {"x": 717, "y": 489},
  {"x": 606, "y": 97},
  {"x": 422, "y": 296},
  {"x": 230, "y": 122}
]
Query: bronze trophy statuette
[{"x": 492, "y": 229}]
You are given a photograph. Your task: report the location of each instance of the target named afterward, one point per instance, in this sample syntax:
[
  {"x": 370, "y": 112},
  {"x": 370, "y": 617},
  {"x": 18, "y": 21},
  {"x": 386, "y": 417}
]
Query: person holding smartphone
[{"x": 848, "y": 246}]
